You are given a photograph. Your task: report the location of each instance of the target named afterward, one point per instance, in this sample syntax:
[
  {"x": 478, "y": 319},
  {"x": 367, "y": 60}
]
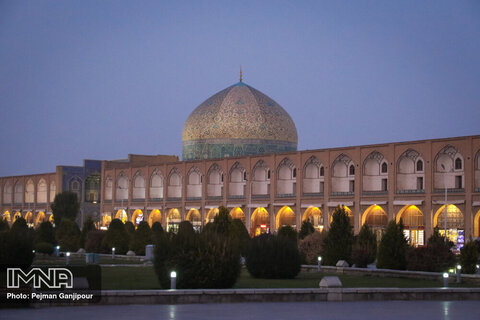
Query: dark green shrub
[
  {"x": 44, "y": 247},
  {"x": 16, "y": 246},
  {"x": 141, "y": 237},
  {"x": 68, "y": 235},
  {"x": 129, "y": 227},
  {"x": 436, "y": 256},
  {"x": 311, "y": 247},
  {"x": 94, "y": 242},
  {"x": 65, "y": 205},
  {"x": 157, "y": 231},
  {"x": 288, "y": 232},
  {"x": 240, "y": 236},
  {"x": 306, "y": 229},
  {"x": 45, "y": 233},
  {"x": 116, "y": 237},
  {"x": 469, "y": 257},
  {"x": 201, "y": 260},
  {"x": 339, "y": 240},
  {"x": 273, "y": 257},
  {"x": 364, "y": 250},
  {"x": 4, "y": 225},
  {"x": 393, "y": 248},
  {"x": 88, "y": 226}
]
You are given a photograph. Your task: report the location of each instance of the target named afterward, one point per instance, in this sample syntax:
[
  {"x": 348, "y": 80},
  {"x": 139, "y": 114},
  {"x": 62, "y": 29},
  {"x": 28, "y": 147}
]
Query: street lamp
[
  {"x": 113, "y": 253},
  {"x": 445, "y": 279},
  {"x": 445, "y": 212},
  {"x": 68, "y": 258},
  {"x": 459, "y": 273},
  {"x": 173, "y": 280},
  {"x": 319, "y": 267}
]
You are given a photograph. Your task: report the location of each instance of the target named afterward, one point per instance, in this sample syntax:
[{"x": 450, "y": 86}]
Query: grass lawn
[{"x": 124, "y": 278}]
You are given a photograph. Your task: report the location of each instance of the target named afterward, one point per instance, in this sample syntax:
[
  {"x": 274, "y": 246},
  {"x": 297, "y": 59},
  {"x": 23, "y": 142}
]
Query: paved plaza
[{"x": 400, "y": 310}]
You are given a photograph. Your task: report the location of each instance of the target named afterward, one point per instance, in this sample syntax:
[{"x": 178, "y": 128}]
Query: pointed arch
[
  {"x": 121, "y": 215},
  {"x": 286, "y": 177},
  {"x": 237, "y": 213},
  {"x": 446, "y": 174},
  {"x": 42, "y": 191},
  {"x": 195, "y": 218},
  {"x": 29, "y": 191},
  {"x": 285, "y": 217},
  {"x": 138, "y": 191},
  {"x": 18, "y": 195},
  {"x": 7, "y": 193},
  {"x": 156, "y": 185},
  {"x": 214, "y": 181},
  {"x": 194, "y": 183},
  {"x": 122, "y": 186},
  {"x": 41, "y": 217},
  {"x": 53, "y": 191},
  {"x": 455, "y": 224},
  {"x": 108, "y": 188},
  {"x": 137, "y": 217},
  {"x": 413, "y": 223},
  {"x": 343, "y": 180},
  {"x": 155, "y": 216},
  {"x": 313, "y": 176},
  {"x": 410, "y": 172},
  {"x": 212, "y": 213},
  {"x": 237, "y": 181},
  {"x": 260, "y": 222},
  {"x": 174, "y": 189},
  {"x": 375, "y": 217},
  {"x": 260, "y": 179},
  {"x": 375, "y": 173},
  {"x": 173, "y": 220},
  {"x": 314, "y": 216}
]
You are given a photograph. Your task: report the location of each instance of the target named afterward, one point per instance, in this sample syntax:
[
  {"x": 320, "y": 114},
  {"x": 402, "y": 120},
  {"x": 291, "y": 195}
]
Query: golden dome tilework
[{"x": 239, "y": 118}]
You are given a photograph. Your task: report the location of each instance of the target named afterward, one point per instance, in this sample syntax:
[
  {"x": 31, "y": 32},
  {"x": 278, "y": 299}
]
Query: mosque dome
[{"x": 238, "y": 121}]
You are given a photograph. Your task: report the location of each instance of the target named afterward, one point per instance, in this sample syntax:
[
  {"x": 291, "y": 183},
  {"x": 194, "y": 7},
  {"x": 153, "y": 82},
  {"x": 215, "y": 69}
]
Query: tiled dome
[{"x": 237, "y": 121}]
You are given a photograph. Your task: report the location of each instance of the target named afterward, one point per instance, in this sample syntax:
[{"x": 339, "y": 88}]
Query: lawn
[
  {"x": 52, "y": 260},
  {"x": 124, "y": 277}
]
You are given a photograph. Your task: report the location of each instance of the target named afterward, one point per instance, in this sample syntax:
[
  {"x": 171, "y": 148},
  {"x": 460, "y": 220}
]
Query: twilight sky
[{"x": 101, "y": 79}]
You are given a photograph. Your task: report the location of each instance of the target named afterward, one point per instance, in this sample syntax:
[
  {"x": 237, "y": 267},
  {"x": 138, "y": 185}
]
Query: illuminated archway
[
  {"x": 137, "y": 217},
  {"x": 414, "y": 224},
  {"x": 212, "y": 213},
  {"x": 476, "y": 225},
  {"x": 314, "y": 215},
  {"x": 195, "y": 218},
  {"x": 106, "y": 219},
  {"x": 155, "y": 216},
  {"x": 29, "y": 219},
  {"x": 285, "y": 217},
  {"x": 121, "y": 215},
  {"x": 41, "y": 217},
  {"x": 260, "y": 222},
  {"x": 376, "y": 218},
  {"x": 237, "y": 213},
  {"x": 455, "y": 224},
  {"x": 349, "y": 213},
  {"x": 173, "y": 220},
  {"x": 16, "y": 216},
  {"x": 6, "y": 216}
]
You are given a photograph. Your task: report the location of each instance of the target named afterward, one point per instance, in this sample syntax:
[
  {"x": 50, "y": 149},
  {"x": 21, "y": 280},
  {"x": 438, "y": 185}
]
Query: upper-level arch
[
  {"x": 343, "y": 175},
  {"x": 156, "y": 185},
  {"x": 286, "y": 177},
  {"x": 174, "y": 189},
  {"x": 237, "y": 180},
  {"x": 138, "y": 191},
  {"x": 29, "y": 191},
  {"x": 375, "y": 172},
  {"x": 260, "y": 178},
  {"x": 18, "y": 195},
  {"x": 313, "y": 176},
  {"x": 410, "y": 172},
  {"x": 42, "y": 191},
  {"x": 122, "y": 187},
  {"x": 449, "y": 169},
  {"x": 194, "y": 183},
  {"x": 214, "y": 181}
]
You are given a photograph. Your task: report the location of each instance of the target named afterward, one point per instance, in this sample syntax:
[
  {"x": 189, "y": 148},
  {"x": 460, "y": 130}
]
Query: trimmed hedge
[
  {"x": 116, "y": 237},
  {"x": 16, "y": 246},
  {"x": 273, "y": 257},
  {"x": 68, "y": 235},
  {"x": 44, "y": 247},
  {"x": 141, "y": 237}
]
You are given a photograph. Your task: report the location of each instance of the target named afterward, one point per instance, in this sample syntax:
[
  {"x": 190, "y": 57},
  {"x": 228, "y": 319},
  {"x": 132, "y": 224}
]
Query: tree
[
  {"x": 68, "y": 235},
  {"x": 157, "y": 231},
  {"x": 288, "y": 232},
  {"x": 116, "y": 237},
  {"x": 141, "y": 237},
  {"x": 88, "y": 226},
  {"x": 4, "y": 225},
  {"x": 311, "y": 247},
  {"x": 364, "y": 249},
  {"x": 45, "y": 233},
  {"x": 16, "y": 246},
  {"x": 339, "y": 240},
  {"x": 469, "y": 257},
  {"x": 393, "y": 248},
  {"x": 306, "y": 229},
  {"x": 65, "y": 205}
]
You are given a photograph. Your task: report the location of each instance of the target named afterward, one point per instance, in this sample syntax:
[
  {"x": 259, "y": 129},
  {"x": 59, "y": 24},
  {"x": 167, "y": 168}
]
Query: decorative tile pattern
[{"x": 237, "y": 121}]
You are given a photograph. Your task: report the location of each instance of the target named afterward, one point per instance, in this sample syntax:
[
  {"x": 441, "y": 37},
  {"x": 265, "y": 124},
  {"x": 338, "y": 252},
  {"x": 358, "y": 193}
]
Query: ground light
[
  {"x": 57, "y": 251},
  {"x": 319, "y": 268},
  {"x": 113, "y": 253},
  {"x": 173, "y": 280},
  {"x": 68, "y": 258},
  {"x": 445, "y": 279},
  {"x": 459, "y": 273}
]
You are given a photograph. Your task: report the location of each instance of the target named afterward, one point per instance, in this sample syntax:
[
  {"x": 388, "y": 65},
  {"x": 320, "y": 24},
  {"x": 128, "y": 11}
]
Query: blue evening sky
[{"x": 101, "y": 79}]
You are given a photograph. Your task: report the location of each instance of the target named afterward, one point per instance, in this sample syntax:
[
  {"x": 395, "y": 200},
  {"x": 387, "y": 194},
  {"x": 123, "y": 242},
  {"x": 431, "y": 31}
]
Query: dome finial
[{"x": 241, "y": 75}]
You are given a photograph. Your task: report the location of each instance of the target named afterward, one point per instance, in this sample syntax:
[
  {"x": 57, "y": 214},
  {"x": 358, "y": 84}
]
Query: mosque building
[{"x": 240, "y": 152}]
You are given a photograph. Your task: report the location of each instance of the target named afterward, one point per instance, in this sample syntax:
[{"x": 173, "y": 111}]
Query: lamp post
[
  {"x": 459, "y": 273},
  {"x": 319, "y": 267},
  {"x": 445, "y": 212},
  {"x": 68, "y": 258},
  {"x": 113, "y": 253},
  {"x": 173, "y": 280},
  {"x": 445, "y": 279}
]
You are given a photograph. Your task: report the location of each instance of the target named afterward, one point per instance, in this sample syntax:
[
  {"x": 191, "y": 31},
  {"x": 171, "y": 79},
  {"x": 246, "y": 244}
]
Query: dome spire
[{"x": 241, "y": 74}]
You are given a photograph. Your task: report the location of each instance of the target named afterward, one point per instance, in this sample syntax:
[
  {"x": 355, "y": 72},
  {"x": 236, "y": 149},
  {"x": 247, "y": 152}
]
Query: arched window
[
  {"x": 458, "y": 164},
  {"x": 29, "y": 192},
  {"x": 156, "y": 185},
  {"x": 322, "y": 171},
  {"x": 138, "y": 186},
  {"x": 18, "y": 196},
  {"x": 419, "y": 165},
  {"x": 42, "y": 191},
  {"x": 122, "y": 187},
  {"x": 53, "y": 191},
  {"x": 7, "y": 193},
  {"x": 352, "y": 170},
  {"x": 108, "y": 189},
  {"x": 384, "y": 167}
]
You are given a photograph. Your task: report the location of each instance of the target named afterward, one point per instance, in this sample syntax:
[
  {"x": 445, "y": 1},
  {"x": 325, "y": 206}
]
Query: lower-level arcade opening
[
  {"x": 155, "y": 216},
  {"x": 195, "y": 219},
  {"x": 285, "y": 217},
  {"x": 137, "y": 217},
  {"x": 455, "y": 224},
  {"x": 237, "y": 213},
  {"x": 413, "y": 224},
  {"x": 314, "y": 216},
  {"x": 260, "y": 222},
  {"x": 173, "y": 220},
  {"x": 121, "y": 215},
  {"x": 376, "y": 218}
]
